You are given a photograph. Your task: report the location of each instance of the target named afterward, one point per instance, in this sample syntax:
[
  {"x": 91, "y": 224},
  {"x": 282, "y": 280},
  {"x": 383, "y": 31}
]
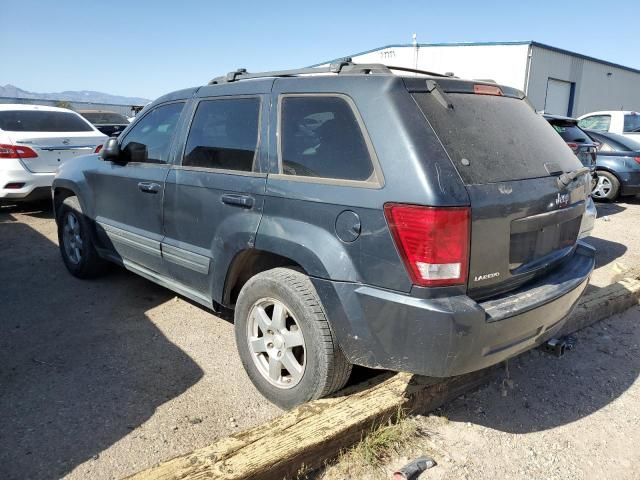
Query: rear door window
[
  {"x": 496, "y": 138},
  {"x": 42, "y": 121},
  {"x": 224, "y": 134},
  {"x": 631, "y": 123},
  {"x": 320, "y": 136}
]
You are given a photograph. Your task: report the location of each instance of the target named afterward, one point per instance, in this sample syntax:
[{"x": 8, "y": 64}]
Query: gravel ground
[
  {"x": 99, "y": 379},
  {"x": 573, "y": 418}
]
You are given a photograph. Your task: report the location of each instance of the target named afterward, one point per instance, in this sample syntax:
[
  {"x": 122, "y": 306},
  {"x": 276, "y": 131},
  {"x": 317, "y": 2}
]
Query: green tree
[{"x": 64, "y": 104}]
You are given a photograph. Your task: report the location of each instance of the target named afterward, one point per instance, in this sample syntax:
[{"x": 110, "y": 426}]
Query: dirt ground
[
  {"x": 99, "y": 379},
  {"x": 102, "y": 378}
]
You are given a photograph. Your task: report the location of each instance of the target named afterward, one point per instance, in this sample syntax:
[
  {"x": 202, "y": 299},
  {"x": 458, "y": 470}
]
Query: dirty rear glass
[{"x": 496, "y": 139}]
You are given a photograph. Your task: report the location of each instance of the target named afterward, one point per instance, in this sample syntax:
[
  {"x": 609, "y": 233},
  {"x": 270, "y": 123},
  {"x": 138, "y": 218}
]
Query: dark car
[
  {"x": 617, "y": 166},
  {"x": 425, "y": 224},
  {"x": 110, "y": 123},
  {"x": 577, "y": 140}
]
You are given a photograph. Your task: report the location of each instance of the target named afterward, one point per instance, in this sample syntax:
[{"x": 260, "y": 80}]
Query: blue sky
[{"x": 147, "y": 48}]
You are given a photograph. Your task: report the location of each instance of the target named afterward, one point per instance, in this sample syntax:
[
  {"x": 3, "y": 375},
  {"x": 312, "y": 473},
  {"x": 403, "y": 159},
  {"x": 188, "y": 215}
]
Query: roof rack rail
[
  {"x": 424, "y": 72},
  {"x": 344, "y": 65}
]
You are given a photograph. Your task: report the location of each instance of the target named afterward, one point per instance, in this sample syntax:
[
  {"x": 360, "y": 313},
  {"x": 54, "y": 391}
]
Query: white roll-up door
[{"x": 558, "y": 97}]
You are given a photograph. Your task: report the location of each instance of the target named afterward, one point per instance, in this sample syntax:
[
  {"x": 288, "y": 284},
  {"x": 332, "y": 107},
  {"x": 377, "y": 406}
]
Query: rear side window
[
  {"x": 571, "y": 133},
  {"x": 615, "y": 143},
  {"x": 321, "y": 137},
  {"x": 631, "y": 123},
  {"x": 600, "y": 123},
  {"x": 224, "y": 134},
  {"x": 496, "y": 139},
  {"x": 42, "y": 121},
  {"x": 150, "y": 139}
]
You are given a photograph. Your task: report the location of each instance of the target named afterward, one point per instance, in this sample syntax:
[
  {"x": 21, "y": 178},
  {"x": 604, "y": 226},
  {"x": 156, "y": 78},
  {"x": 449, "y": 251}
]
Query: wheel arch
[{"x": 247, "y": 264}]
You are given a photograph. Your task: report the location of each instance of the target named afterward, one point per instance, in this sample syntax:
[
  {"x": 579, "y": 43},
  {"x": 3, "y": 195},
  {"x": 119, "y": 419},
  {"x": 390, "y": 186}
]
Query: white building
[{"x": 555, "y": 80}]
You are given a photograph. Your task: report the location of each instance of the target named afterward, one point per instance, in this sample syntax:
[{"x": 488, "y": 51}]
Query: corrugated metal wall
[{"x": 597, "y": 86}]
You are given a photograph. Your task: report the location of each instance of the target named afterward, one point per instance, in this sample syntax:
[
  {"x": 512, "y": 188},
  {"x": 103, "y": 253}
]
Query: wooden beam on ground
[{"x": 313, "y": 433}]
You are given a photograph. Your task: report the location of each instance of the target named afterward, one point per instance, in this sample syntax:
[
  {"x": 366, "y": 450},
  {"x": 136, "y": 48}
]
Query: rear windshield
[
  {"x": 571, "y": 133},
  {"x": 105, "y": 118},
  {"x": 42, "y": 121},
  {"x": 496, "y": 139},
  {"x": 632, "y": 123}
]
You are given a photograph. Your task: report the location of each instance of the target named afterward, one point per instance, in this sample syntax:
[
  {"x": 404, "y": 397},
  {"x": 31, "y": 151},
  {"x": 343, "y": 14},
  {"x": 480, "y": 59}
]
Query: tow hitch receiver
[{"x": 557, "y": 346}]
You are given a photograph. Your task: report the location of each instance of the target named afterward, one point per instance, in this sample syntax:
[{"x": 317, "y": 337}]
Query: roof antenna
[{"x": 415, "y": 52}]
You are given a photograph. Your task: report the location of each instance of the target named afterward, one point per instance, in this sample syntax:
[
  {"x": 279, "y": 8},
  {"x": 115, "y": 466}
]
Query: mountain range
[{"x": 12, "y": 91}]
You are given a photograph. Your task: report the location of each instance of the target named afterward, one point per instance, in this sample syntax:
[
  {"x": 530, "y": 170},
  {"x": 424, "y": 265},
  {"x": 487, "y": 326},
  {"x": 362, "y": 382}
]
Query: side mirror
[{"x": 110, "y": 150}]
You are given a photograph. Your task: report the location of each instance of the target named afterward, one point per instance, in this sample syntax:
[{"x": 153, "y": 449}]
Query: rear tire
[
  {"x": 607, "y": 187},
  {"x": 285, "y": 341},
  {"x": 75, "y": 240}
]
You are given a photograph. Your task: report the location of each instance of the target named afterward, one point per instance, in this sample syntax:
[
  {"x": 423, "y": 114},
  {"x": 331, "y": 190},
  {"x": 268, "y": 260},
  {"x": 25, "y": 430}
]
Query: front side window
[
  {"x": 224, "y": 134},
  {"x": 42, "y": 121},
  {"x": 149, "y": 140},
  {"x": 599, "y": 123},
  {"x": 631, "y": 123},
  {"x": 320, "y": 137}
]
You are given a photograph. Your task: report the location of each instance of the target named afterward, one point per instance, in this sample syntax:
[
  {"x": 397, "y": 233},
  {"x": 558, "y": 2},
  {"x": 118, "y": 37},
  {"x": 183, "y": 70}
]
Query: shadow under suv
[{"x": 419, "y": 223}]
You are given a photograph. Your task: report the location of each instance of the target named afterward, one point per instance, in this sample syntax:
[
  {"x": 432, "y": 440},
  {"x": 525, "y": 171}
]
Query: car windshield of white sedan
[
  {"x": 42, "y": 121},
  {"x": 632, "y": 123}
]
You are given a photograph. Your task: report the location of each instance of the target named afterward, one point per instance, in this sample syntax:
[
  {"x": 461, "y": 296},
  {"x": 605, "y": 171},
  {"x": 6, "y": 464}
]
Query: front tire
[
  {"x": 76, "y": 241},
  {"x": 285, "y": 341},
  {"x": 607, "y": 186}
]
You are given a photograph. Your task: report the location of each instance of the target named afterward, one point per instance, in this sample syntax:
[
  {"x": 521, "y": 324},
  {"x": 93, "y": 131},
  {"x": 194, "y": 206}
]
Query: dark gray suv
[{"x": 418, "y": 223}]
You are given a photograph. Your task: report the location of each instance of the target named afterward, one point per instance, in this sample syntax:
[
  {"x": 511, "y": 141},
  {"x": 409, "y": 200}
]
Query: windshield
[
  {"x": 98, "y": 118},
  {"x": 42, "y": 121},
  {"x": 495, "y": 139},
  {"x": 631, "y": 123}
]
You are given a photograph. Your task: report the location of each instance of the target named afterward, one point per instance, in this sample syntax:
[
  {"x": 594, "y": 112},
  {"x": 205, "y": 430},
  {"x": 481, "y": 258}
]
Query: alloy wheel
[
  {"x": 72, "y": 238},
  {"x": 276, "y": 343},
  {"x": 603, "y": 187}
]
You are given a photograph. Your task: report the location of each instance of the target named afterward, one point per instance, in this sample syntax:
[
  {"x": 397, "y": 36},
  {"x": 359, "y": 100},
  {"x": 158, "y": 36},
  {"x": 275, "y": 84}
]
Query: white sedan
[
  {"x": 622, "y": 122},
  {"x": 34, "y": 141}
]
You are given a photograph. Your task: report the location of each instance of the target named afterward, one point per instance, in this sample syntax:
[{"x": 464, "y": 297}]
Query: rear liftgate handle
[
  {"x": 149, "y": 187},
  {"x": 244, "y": 201}
]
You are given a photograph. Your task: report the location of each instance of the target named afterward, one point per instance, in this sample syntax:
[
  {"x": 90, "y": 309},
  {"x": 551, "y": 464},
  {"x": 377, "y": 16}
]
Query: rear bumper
[
  {"x": 36, "y": 185},
  {"x": 443, "y": 337}
]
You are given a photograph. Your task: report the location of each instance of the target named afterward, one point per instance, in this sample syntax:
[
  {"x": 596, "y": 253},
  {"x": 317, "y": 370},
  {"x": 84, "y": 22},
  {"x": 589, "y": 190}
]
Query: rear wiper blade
[
  {"x": 568, "y": 177},
  {"x": 437, "y": 91}
]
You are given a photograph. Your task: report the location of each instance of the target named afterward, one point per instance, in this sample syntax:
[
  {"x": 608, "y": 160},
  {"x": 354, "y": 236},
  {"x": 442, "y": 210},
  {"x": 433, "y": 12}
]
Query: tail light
[
  {"x": 16, "y": 151},
  {"x": 433, "y": 242},
  {"x": 573, "y": 146},
  {"x": 637, "y": 159},
  {"x": 98, "y": 148}
]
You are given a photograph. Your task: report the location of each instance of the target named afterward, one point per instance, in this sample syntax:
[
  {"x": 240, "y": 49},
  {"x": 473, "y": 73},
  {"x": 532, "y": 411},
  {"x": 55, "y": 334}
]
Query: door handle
[
  {"x": 244, "y": 201},
  {"x": 149, "y": 187}
]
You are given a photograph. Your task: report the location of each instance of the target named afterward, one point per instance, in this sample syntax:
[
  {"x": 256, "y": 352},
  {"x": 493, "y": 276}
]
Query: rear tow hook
[{"x": 558, "y": 346}]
